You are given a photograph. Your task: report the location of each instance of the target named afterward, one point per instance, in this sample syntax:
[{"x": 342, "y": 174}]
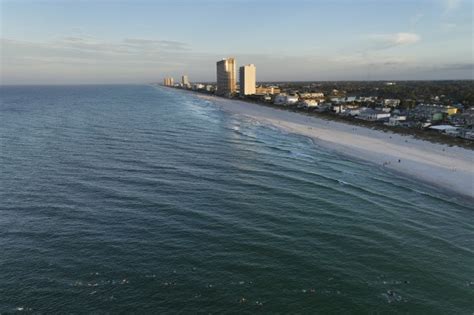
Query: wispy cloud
[
  {"x": 124, "y": 47},
  {"x": 363, "y": 60},
  {"x": 458, "y": 66},
  {"x": 88, "y": 49},
  {"x": 383, "y": 41},
  {"x": 450, "y": 18},
  {"x": 451, "y": 5},
  {"x": 155, "y": 44},
  {"x": 88, "y": 59},
  {"x": 447, "y": 26}
]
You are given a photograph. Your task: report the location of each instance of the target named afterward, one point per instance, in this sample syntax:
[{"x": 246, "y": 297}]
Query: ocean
[{"x": 146, "y": 199}]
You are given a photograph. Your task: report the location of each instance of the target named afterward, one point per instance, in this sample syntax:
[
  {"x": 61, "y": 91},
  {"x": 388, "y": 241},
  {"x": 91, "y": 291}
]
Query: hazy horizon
[
  {"x": 135, "y": 42},
  {"x": 211, "y": 82}
]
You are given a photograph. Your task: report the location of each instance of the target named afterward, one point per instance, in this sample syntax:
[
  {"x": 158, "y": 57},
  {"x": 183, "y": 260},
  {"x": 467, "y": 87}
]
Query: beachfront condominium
[
  {"x": 247, "y": 79},
  {"x": 185, "y": 80},
  {"x": 168, "y": 81},
  {"x": 226, "y": 77}
]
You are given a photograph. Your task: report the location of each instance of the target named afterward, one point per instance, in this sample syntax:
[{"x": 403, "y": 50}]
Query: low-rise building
[
  {"x": 266, "y": 98},
  {"x": 365, "y": 99},
  {"x": 198, "y": 86},
  {"x": 323, "y": 107},
  {"x": 391, "y": 102},
  {"x": 468, "y": 116},
  {"x": 353, "y": 111},
  {"x": 267, "y": 90},
  {"x": 308, "y": 103},
  {"x": 373, "y": 115},
  {"x": 292, "y": 99},
  {"x": 451, "y": 110},
  {"x": 447, "y": 129},
  {"x": 279, "y": 99},
  {"x": 284, "y": 99},
  {"x": 384, "y": 109},
  {"x": 432, "y": 112},
  {"x": 467, "y": 134},
  {"x": 442, "y": 128},
  {"x": 342, "y": 100},
  {"x": 341, "y": 108},
  {"x": 395, "y": 120},
  {"x": 307, "y": 95},
  {"x": 210, "y": 88}
]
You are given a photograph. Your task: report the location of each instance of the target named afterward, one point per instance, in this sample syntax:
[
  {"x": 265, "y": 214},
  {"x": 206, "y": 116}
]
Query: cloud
[
  {"x": 128, "y": 46},
  {"x": 451, "y": 5},
  {"x": 81, "y": 50},
  {"x": 458, "y": 66},
  {"x": 158, "y": 44},
  {"x": 83, "y": 59},
  {"x": 364, "y": 60},
  {"x": 447, "y": 26},
  {"x": 449, "y": 17},
  {"x": 383, "y": 41}
]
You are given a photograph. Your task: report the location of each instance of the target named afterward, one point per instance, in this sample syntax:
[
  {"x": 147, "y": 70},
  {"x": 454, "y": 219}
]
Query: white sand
[{"x": 449, "y": 168}]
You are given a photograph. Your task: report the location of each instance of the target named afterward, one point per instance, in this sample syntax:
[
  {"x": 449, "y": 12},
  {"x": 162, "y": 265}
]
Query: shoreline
[
  {"x": 439, "y": 165},
  {"x": 433, "y": 137}
]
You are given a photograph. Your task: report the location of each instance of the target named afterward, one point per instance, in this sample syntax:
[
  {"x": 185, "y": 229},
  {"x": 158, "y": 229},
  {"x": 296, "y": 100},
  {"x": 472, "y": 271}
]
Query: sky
[{"x": 138, "y": 41}]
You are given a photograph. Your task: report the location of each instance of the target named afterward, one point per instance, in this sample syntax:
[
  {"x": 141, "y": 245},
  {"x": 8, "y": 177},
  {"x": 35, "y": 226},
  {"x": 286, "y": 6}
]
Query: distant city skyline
[{"x": 77, "y": 42}]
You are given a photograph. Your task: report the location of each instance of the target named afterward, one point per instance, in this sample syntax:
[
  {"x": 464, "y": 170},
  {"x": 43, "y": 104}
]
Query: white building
[
  {"x": 443, "y": 128},
  {"x": 352, "y": 111},
  {"x": 247, "y": 79},
  {"x": 185, "y": 80},
  {"x": 469, "y": 135},
  {"x": 395, "y": 120},
  {"x": 383, "y": 109},
  {"x": 391, "y": 102},
  {"x": 198, "y": 86},
  {"x": 373, "y": 115},
  {"x": 308, "y": 103},
  {"x": 341, "y": 108},
  {"x": 283, "y": 99}
]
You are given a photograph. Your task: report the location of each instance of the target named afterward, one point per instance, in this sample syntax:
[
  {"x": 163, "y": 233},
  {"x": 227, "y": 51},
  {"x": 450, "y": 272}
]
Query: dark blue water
[{"x": 143, "y": 199}]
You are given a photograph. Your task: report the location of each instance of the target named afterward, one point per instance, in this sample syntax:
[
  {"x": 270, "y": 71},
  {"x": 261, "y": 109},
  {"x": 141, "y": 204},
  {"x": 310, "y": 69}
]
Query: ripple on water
[{"x": 123, "y": 198}]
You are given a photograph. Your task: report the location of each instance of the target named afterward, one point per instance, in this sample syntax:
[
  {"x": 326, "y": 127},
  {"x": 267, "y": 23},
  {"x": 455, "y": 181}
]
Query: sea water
[{"x": 146, "y": 199}]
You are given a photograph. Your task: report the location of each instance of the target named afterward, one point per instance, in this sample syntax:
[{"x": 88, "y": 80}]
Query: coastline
[{"x": 448, "y": 168}]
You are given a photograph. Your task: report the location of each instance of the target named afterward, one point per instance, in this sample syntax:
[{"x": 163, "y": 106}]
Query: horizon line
[{"x": 214, "y": 82}]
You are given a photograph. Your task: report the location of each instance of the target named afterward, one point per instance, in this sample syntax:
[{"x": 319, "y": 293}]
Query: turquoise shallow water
[{"x": 144, "y": 199}]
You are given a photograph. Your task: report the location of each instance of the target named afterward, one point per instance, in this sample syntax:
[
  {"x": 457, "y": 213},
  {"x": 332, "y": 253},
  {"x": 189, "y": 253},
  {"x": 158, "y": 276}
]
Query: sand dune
[{"x": 449, "y": 168}]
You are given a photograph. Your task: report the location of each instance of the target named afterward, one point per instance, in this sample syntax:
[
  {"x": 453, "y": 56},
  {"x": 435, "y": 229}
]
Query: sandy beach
[{"x": 448, "y": 168}]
